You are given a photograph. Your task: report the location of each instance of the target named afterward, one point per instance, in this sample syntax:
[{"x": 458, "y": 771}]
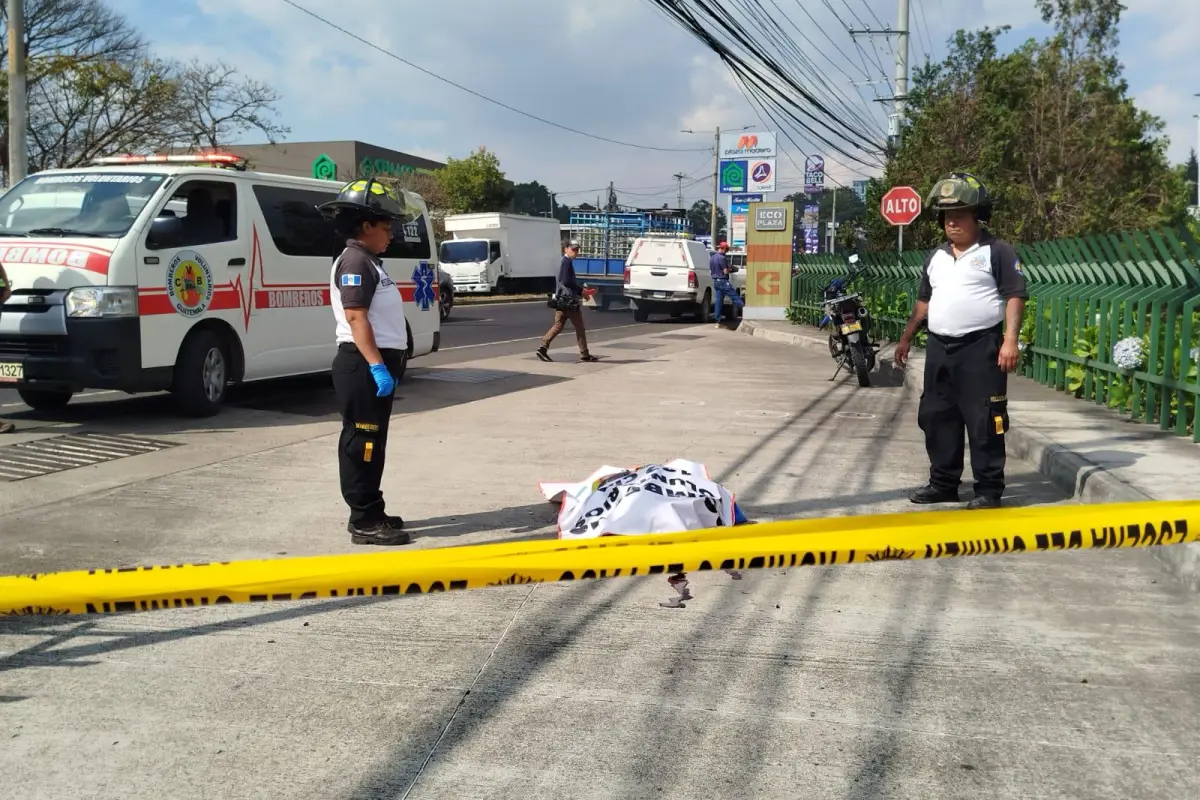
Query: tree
[
  {"x": 700, "y": 215},
  {"x": 216, "y": 105},
  {"x": 1049, "y": 127},
  {"x": 535, "y": 199},
  {"x": 94, "y": 88},
  {"x": 475, "y": 183}
]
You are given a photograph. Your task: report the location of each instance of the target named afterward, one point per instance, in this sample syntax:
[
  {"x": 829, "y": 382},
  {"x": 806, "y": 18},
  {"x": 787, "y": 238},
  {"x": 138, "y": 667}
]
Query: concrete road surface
[{"x": 1066, "y": 675}]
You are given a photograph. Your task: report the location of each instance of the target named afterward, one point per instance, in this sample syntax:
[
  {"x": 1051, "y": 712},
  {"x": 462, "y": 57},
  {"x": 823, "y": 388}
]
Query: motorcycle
[{"x": 850, "y": 342}]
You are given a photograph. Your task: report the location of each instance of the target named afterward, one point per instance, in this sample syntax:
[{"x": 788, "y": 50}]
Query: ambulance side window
[
  {"x": 410, "y": 240},
  {"x": 207, "y": 214},
  {"x": 294, "y": 223}
]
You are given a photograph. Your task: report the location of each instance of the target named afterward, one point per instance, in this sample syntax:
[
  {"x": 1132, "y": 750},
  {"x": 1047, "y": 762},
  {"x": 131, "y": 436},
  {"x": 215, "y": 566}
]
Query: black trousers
[
  {"x": 965, "y": 388},
  {"x": 362, "y": 448}
]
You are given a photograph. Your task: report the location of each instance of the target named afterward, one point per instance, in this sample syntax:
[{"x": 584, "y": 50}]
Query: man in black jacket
[{"x": 569, "y": 295}]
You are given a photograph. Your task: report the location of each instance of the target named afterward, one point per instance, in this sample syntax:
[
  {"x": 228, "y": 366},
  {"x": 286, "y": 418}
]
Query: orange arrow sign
[{"x": 768, "y": 283}]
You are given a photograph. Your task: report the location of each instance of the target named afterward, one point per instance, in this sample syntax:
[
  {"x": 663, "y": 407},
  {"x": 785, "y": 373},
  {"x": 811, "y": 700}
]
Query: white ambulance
[{"x": 181, "y": 273}]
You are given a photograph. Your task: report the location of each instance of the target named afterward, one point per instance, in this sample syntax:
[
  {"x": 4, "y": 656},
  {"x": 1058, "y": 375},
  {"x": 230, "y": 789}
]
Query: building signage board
[
  {"x": 743, "y": 146},
  {"x": 814, "y": 175}
]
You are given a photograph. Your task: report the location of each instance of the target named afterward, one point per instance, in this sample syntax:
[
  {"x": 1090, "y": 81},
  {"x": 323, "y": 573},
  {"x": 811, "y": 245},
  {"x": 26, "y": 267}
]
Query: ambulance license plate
[{"x": 11, "y": 373}]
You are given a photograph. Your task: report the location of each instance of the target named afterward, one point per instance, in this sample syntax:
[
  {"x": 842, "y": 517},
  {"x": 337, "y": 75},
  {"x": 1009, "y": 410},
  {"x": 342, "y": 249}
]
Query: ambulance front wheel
[
  {"x": 201, "y": 374},
  {"x": 44, "y": 399}
]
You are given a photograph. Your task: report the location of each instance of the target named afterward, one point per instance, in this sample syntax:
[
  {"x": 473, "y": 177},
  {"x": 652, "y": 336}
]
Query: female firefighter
[{"x": 371, "y": 343}]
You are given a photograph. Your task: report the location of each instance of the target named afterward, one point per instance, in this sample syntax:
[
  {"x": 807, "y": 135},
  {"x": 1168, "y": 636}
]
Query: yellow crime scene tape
[{"x": 825, "y": 541}]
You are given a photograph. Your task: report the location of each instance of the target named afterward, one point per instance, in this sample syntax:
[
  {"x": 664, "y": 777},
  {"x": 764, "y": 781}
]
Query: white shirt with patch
[
  {"x": 969, "y": 293},
  {"x": 358, "y": 280}
]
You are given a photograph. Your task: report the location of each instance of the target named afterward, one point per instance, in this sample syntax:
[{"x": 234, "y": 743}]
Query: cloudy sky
[{"x": 614, "y": 68}]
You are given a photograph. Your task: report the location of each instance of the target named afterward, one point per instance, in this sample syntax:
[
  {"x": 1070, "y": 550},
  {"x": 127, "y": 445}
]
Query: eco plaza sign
[{"x": 325, "y": 168}]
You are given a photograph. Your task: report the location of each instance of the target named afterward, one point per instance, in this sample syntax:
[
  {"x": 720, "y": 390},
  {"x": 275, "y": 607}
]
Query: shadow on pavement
[
  {"x": 297, "y": 401},
  {"x": 62, "y": 630},
  {"x": 521, "y": 521}
]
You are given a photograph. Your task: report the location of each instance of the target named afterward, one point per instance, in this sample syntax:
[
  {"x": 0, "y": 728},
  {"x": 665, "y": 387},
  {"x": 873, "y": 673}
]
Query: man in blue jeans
[{"x": 718, "y": 265}]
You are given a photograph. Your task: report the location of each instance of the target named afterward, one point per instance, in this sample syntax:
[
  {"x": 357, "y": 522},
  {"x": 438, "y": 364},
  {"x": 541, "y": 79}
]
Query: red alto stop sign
[{"x": 901, "y": 205}]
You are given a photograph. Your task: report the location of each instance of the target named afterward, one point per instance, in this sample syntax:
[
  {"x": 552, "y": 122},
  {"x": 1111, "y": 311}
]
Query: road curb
[
  {"x": 1070, "y": 471},
  {"x": 488, "y": 300},
  {"x": 884, "y": 366}
]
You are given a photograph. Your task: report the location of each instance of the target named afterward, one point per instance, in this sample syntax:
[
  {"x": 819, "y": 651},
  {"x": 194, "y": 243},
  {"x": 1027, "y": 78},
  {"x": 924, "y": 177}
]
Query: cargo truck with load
[
  {"x": 501, "y": 253},
  {"x": 605, "y": 240}
]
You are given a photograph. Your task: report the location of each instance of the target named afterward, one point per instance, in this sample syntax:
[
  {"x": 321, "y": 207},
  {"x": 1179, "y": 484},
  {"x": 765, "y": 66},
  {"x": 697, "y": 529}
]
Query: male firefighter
[{"x": 972, "y": 295}]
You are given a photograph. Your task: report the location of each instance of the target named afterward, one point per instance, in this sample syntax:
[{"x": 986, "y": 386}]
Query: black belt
[
  {"x": 966, "y": 338},
  {"x": 351, "y": 347}
]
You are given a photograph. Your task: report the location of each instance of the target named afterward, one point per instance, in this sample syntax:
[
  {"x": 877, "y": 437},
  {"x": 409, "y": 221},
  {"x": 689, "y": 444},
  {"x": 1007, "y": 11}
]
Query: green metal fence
[{"x": 1086, "y": 295}]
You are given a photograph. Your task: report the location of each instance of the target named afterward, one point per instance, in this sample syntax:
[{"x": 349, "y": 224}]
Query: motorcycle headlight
[{"x": 101, "y": 301}]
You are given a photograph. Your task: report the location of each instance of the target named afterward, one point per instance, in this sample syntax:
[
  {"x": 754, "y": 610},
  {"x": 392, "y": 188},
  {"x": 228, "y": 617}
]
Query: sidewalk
[
  {"x": 901, "y": 680},
  {"x": 1086, "y": 450}
]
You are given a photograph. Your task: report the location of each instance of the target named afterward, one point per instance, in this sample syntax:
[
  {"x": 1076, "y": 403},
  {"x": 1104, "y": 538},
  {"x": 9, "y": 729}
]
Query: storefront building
[{"x": 332, "y": 161}]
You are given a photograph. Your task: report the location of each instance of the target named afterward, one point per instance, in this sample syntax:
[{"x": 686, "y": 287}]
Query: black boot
[
  {"x": 386, "y": 533},
  {"x": 983, "y": 501},
  {"x": 928, "y": 495}
]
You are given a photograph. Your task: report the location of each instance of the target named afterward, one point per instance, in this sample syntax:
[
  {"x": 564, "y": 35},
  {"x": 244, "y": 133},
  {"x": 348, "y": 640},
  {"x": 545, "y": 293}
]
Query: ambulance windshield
[{"x": 92, "y": 204}]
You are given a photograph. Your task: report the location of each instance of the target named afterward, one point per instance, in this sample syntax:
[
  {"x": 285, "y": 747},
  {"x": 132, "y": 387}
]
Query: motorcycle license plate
[
  {"x": 851, "y": 327},
  {"x": 11, "y": 373}
]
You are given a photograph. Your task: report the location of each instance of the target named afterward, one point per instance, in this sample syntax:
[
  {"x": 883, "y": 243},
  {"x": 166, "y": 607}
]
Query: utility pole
[
  {"x": 712, "y": 224},
  {"x": 1197, "y": 212},
  {"x": 679, "y": 176},
  {"x": 18, "y": 101},
  {"x": 833, "y": 224},
  {"x": 716, "y": 196},
  {"x": 901, "y": 31}
]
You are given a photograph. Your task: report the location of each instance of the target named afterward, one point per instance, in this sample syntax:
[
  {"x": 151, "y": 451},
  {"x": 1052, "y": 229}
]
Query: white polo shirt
[
  {"x": 358, "y": 280},
  {"x": 969, "y": 293}
]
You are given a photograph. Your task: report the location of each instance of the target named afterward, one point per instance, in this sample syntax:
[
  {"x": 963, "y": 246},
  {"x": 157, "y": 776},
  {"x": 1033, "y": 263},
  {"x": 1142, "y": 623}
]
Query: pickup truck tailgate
[{"x": 647, "y": 278}]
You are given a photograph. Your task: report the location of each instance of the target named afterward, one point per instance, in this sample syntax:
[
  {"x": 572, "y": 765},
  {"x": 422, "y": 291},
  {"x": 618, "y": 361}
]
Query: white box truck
[{"x": 501, "y": 253}]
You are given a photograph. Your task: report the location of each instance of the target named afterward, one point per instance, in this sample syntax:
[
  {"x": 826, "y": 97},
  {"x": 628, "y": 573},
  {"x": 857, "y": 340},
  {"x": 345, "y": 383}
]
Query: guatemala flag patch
[{"x": 351, "y": 280}]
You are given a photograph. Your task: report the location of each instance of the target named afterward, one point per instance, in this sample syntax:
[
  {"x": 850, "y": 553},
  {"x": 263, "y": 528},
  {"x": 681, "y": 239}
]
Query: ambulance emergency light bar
[{"x": 215, "y": 159}]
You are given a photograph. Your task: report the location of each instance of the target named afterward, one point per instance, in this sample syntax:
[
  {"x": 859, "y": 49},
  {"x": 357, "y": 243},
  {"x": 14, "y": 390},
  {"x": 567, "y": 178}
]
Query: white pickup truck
[{"x": 670, "y": 276}]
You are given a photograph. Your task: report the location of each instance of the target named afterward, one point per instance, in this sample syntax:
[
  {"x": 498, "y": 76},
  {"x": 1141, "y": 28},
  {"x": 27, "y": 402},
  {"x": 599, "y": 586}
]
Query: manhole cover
[
  {"x": 464, "y": 375},
  {"x": 61, "y": 453},
  {"x": 854, "y": 415},
  {"x": 679, "y": 336},
  {"x": 765, "y": 413},
  {"x": 631, "y": 345}
]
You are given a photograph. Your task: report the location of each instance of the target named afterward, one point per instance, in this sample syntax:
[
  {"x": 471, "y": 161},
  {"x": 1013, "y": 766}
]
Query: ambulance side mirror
[{"x": 165, "y": 233}]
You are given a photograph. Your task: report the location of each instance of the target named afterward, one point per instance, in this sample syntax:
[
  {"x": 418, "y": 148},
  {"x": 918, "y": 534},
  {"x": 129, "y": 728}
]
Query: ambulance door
[{"x": 193, "y": 265}]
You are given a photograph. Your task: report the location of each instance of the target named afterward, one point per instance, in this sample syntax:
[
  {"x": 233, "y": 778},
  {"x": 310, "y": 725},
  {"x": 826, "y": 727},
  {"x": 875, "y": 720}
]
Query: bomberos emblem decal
[{"x": 189, "y": 283}]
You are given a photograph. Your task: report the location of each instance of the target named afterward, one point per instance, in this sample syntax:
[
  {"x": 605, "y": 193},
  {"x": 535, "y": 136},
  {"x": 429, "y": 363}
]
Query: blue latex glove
[{"x": 383, "y": 380}]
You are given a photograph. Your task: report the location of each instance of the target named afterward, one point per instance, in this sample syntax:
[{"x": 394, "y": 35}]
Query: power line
[
  {"x": 924, "y": 23},
  {"x": 781, "y": 86},
  {"x": 535, "y": 117},
  {"x": 792, "y": 52}
]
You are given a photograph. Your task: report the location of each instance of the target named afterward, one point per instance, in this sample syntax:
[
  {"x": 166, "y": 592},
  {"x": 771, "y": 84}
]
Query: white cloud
[{"x": 618, "y": 69}]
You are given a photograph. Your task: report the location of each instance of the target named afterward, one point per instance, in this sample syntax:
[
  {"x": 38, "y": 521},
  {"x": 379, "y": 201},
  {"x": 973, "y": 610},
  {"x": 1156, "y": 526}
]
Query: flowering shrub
[{"x": 1129, "y": 354}]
